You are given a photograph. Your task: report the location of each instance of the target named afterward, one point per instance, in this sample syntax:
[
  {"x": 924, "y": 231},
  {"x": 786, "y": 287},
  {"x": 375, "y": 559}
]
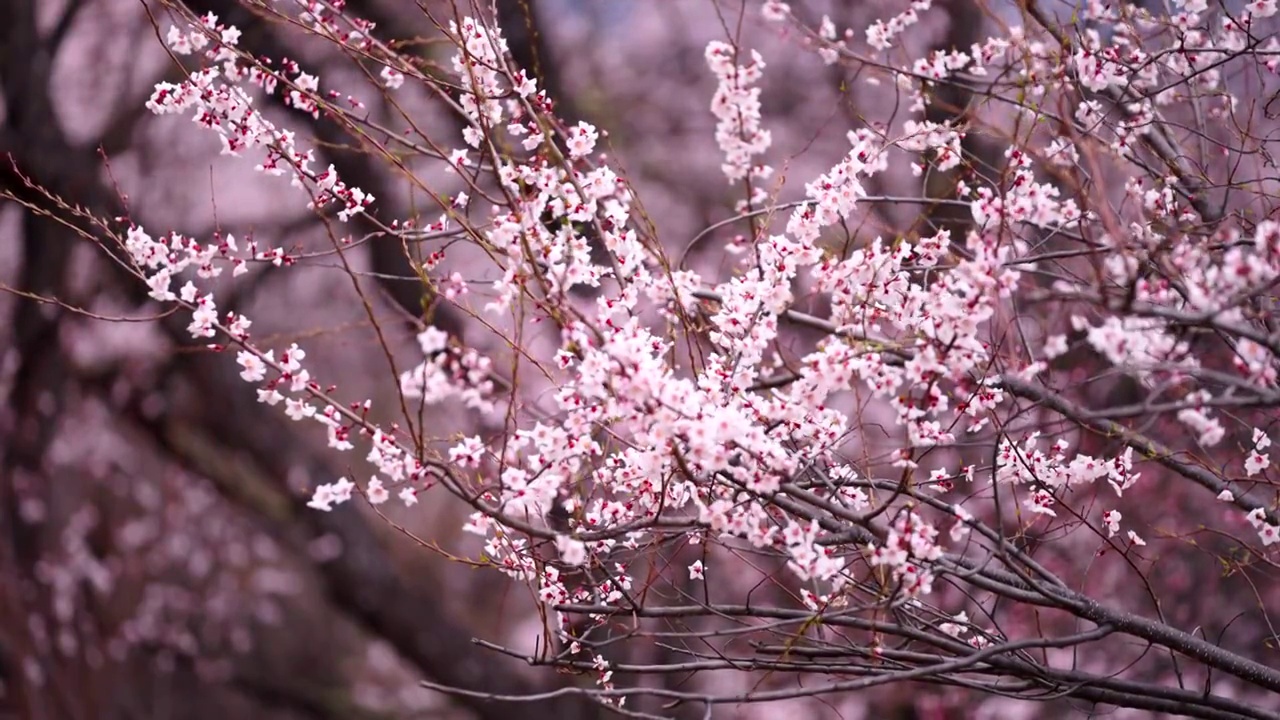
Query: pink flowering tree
[{"x": 975, "y": 410}]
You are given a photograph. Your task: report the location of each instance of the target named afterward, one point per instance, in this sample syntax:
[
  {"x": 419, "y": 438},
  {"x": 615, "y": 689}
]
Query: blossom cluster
[
  {"x": 634, "y": 435},
  {"x": 736, "y": 106},
  {"x": 219, "y": 103}
]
